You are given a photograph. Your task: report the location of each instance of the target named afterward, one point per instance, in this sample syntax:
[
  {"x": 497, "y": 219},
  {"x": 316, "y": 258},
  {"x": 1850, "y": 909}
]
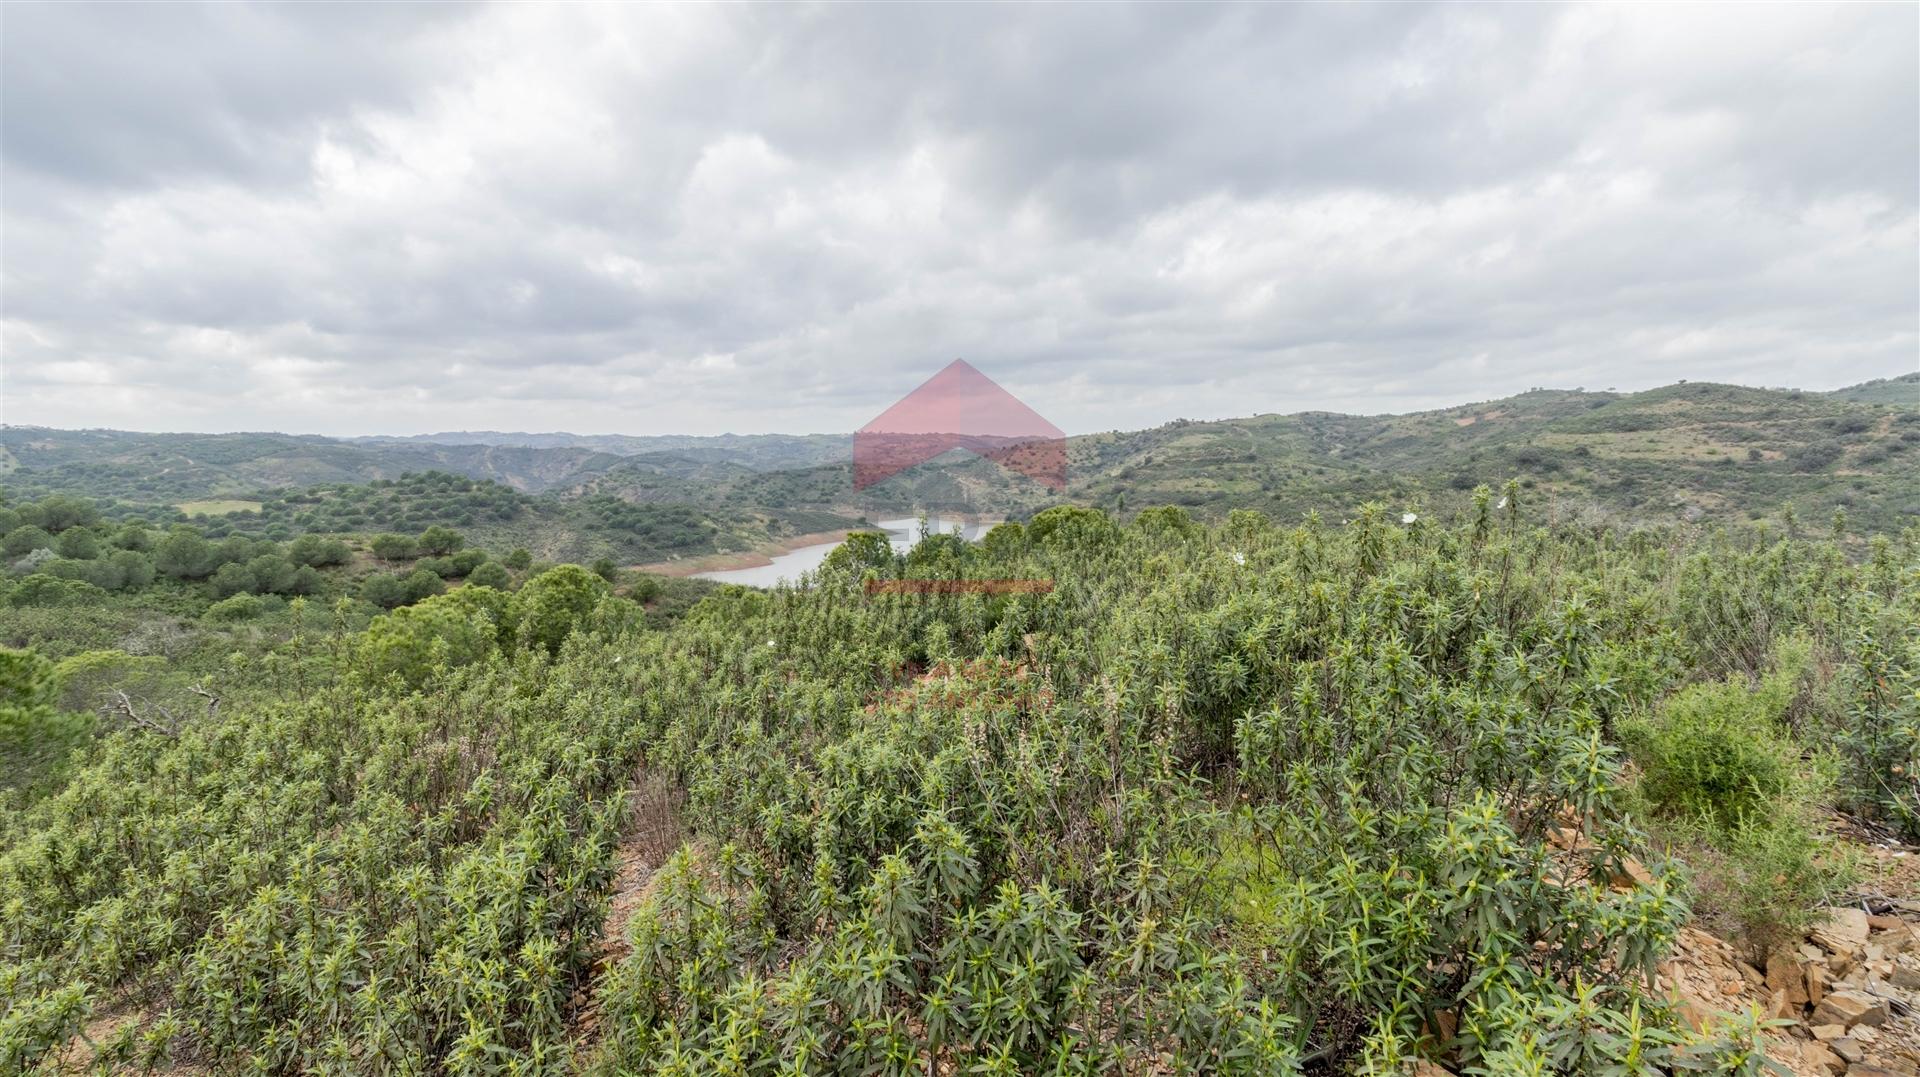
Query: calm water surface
[{"x": 788, "y": 566}]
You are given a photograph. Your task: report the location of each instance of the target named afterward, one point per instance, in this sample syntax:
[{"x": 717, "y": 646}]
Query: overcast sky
[{"x": 647, "y": 219}]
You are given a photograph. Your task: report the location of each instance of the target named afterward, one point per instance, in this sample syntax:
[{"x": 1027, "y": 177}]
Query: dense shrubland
[
  {"x": 1242, "y": 798},
  {"x": 564, "y": 525}
]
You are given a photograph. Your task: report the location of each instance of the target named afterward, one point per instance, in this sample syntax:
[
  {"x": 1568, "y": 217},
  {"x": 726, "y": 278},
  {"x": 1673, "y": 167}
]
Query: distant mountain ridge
[
  {"x": 787, "y": 450},
  {"x": 1681, "y": 452}
]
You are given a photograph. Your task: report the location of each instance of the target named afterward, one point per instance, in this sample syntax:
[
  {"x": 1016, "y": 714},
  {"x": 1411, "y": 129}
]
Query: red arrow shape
[{"x": 960, "y": 408}]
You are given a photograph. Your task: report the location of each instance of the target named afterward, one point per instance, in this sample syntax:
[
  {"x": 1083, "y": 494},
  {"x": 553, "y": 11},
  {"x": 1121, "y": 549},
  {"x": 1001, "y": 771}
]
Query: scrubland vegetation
[{"x": 1254, "y": 796}]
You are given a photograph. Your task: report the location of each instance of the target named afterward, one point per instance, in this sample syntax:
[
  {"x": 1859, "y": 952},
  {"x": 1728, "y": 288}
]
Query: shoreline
[
  {"x": 757, "y": 557},
  {"x": 763, "y": 554}
]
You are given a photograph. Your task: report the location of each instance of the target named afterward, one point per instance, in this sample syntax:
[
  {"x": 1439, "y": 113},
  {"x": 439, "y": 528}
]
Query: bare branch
[
  {"x": 213, "y": 701},
  {"x": 125, "y": 707}
]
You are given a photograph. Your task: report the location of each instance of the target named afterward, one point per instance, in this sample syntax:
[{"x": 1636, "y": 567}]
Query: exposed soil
[
  {"x": 654, "y": 832},
  {"x": 754, "y": 558}
]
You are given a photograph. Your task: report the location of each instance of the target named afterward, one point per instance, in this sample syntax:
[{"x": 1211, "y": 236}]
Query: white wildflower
[{"x": 1408, "y": 517}]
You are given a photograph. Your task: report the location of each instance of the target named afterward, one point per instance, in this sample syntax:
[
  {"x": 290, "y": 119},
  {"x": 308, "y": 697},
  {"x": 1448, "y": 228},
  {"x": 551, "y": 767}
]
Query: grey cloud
[
  {"x": 780, "y": 217},
  {"x": 135, "y": 94}
]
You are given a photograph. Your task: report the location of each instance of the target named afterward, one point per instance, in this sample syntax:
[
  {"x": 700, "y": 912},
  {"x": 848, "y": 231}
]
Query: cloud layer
[{"x": 649, "y": 219}]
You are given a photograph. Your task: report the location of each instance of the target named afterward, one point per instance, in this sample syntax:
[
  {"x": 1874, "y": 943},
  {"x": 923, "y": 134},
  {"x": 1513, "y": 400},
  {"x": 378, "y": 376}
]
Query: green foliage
[
  {"x": 1229, "y": 799},
  {"x": 440, "y": 566},
  {"x": 24, "y": 540},
  {"x": 1066, "y": 526},
  {"x": 465, "y": 561},
  {"x": 440, "y": 541},
  {"x": 396, "y": 590},
  {"x": 318, "y": 551},
  {"x": 78, "y": 543},
  {"x": 35, "y": 736},
  {"x": 1724, "y": 774},
  {"x": 268, "y": 574},
  {"x": 1718, "y": 751},
  {"x": 239, "y": 607},
  {"x": 547, "y": 607},
  {"x": 60, "y": 512},
  {"x": 391, "y": 547},
  {"x": 490, "y": 574},
  {"x": 28, "y": 688},
  {"x": 1764, "y": 881},
  {"x": 862, "y": 550},
  {"x": 443, "y": 632},
  {"x": 185, "y": 554},
  {"x": 134, "y": 536},
  {"x": 41, "y": 589}
]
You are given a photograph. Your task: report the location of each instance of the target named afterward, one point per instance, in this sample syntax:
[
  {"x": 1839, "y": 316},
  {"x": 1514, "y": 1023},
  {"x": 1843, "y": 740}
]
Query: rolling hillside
[{"x": 1684, "y": 452}]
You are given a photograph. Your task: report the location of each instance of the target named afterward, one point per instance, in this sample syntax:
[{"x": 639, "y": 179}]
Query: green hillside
[
  {"x": 1240, "y": 799},
  {"x": 164, "y": 468},
  {"x": 1686, "y": 452},
  {"x": 1903, "y": 391}
]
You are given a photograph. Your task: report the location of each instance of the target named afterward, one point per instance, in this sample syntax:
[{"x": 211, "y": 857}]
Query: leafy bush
[
  {"x": 184, "y": 553},
  {"x": 1763, "y": 881},
  {"x": 443, "y": 632},
  {"x": 79, "y": 544},
  {"x": 440, "y": 541},
  {"x": 1717, "y": 751},
  {"x": 22, "y": 541},
  {"x": 548, "y": 607},
  {"x": 490, "y": 574},
  {"x": 239, "y": 607},
  {"x": 41, "y": 589},
  {"x": 465, "y": 561},
  {"x": 391, "y": 547},
  {"x": 318, "y": 551},
  {"x": 35, "y": 736},
  {"x": 1242, "y": 798}
]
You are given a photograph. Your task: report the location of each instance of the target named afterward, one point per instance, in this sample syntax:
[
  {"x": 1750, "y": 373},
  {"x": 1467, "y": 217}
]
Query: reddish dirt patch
[{"x": 654, "y": 831}]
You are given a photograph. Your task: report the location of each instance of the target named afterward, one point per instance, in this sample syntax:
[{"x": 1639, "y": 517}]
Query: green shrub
[
  {"x": 239, "y": 607},
  {"x": 1762, "y": 882},
  {"x": 318, "y": 551},
  {"x": 465, "y": 561},
  {"x": 22, "y": 541},
  {"x": 79, "y": 544},
  {"x": 490, "y": 574},
  {"x": 391, "y": 547},
  {"x": 1716, "y": 751},
  {"x": 440, "y": 541},
  {"x": 41, "y": 589},
  {"x": 549, "y": 606},
  {"x": 440, "y": 566},
  {"x": 35, "y": 735},
  {"x": 439, "y": 633}
]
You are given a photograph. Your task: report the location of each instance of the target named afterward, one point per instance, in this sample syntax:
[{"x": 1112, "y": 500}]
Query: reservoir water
[{"x": 788, "y": 566}]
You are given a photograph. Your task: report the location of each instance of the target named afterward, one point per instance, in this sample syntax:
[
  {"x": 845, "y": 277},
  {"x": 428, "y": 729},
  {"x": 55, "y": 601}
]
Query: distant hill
[
  {"x": 1904, "y": 389},
  {"x": 1682, "y": 452},
  {"x": 759, "y": 451},
  {"x": 1685, "y": 452},
  {"x": 1691, "y": 451},
  {"x": 172, "y": 467}
]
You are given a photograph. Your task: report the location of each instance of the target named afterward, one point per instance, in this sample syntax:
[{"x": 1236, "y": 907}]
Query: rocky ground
[{"x": 1848, "y": 994}]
